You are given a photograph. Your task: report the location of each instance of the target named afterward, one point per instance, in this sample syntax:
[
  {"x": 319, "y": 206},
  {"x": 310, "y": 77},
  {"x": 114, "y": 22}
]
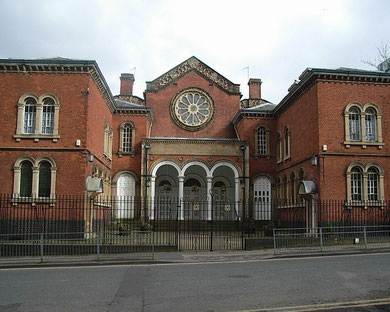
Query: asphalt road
[{"x": 340, "y": 283}]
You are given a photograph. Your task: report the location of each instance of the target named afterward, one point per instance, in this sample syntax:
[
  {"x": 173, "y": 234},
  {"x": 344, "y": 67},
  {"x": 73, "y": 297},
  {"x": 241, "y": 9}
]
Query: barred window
[
  {"x": 30, "y": 112},
  {"x": 373, "y": 183},
  {"x": 371, "y": 126},
  {"x": 262, "y": 141},
  {"x": 48, "y": 116},
  {"x": 356, "y": 183},
  {"x": 354, "y": 124},
  {"x": 38, "y": 117},
  {"x": 127, "y": 138}
]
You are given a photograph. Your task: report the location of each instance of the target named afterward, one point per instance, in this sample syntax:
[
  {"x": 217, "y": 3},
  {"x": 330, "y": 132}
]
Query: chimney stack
[
  {"x": 127, "y": 82},
  {"x": 254, "y": 88}
]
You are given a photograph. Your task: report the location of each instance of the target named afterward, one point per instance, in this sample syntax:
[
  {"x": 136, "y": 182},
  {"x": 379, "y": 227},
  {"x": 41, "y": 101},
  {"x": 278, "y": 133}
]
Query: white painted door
[
  {"x": 262, "y": 199},
  {"x": 125, "y": 196}
]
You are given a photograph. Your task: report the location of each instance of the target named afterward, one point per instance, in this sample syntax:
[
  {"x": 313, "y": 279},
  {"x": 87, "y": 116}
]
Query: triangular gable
[{"x": 192, "y": 64}]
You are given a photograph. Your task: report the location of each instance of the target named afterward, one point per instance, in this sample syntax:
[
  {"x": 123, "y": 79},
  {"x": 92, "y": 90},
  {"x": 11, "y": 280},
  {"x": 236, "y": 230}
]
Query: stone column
[
  {"x": 181, "y": 197},
  {"x": 209, "y": 198}
]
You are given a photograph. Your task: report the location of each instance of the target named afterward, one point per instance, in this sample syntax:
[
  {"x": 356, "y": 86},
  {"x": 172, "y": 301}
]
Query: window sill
[
  {"x": 363, "y": 144},
  {"x": 120, "y": 154},
  {"x": 289, "y": 206},
  {"x": 34, "y": 200},
  {"x": 256, "y": 156},
  {"x": 365, "y": 204},
  {"x": 36, "y": 137}
]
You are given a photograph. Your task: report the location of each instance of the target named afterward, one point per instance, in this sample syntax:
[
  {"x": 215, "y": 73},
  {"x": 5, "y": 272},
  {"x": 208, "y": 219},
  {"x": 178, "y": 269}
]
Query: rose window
[{"x": 192, "y": 109}]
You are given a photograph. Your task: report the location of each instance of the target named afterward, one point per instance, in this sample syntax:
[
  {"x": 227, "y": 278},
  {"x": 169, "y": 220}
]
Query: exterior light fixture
[
  {"x": 314, "y": 160},
  {"x": 91, "y": 157}
]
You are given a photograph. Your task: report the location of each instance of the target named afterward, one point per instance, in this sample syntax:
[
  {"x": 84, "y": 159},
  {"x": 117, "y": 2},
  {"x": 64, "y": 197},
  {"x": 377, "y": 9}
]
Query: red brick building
[{"x": 192, "y": 137}]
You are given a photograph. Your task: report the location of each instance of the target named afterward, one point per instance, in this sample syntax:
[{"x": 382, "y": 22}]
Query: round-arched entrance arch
[
  {"x": 262, "y": 198},
  {"x": 125, "y": 194}
]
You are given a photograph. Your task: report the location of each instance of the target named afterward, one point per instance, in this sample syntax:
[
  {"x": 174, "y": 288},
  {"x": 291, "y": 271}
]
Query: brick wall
[{"x": 226, "y": 106}]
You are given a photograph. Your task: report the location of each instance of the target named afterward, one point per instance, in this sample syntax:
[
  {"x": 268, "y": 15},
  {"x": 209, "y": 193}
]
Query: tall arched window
[
  {"x": 26, "y": 177},
  {"x": 44, "y": 183},
  {"x": 371, "y": 125},
  {"x": 287, "y": 145},
  {"x": 354, "y": 124},
  {"x": 262, "y": 141},
  {"x": 48, "y": 116},
  {"x": 279, "y": 148},
  {"x": 30, "y": 114},
  {"x": 126, "y": 142},
  {"x": 356, "y": 183},
  {"x": 372, "y": 183}
]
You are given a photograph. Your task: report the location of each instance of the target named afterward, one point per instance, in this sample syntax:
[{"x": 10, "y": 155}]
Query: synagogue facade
[{"x": 192, "y": 136}]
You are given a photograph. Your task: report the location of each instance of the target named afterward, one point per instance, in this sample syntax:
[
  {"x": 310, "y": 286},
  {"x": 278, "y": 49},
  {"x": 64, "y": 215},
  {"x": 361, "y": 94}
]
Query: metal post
[
  {"x": 243, "y": 149},
  {"x": 146, "y": 148},
  {"x": 274, "y": 235},
  {"x": 321, "y": 242},
  {"x": 98, "y": 245},
  {"x": 41, "y": 246},
  {"x": 365, "y": 237}
]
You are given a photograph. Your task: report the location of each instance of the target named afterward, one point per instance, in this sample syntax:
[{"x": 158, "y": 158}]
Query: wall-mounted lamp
[
  {"x": 91, "y": 157},
  {"x": 314, "y": 160}
]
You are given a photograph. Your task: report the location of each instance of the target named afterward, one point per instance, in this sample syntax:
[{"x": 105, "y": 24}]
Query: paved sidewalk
[{"x": 159, "y": 257}]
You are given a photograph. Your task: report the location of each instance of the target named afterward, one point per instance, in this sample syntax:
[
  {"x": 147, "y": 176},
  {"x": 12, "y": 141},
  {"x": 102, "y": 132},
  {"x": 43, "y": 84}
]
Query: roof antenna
[
  {"x": 133, "y": 70},
  {"x": 247, "y": 71}
]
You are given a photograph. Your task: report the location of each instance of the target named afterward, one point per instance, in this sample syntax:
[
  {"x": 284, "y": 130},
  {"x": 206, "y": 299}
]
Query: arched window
[
  {"x": 293, "y": 182},
  {"x": 287, "y": 145},
  {"x": 34, "y": 177},
  {"x": 38, "y": 117},
  {"x": 279, "y": 148},
  {"x": 354, "y": 124},
  {"x": 107, "y": 141},
  {"x": 48, "y": 116},
  {"x": 26, "y": 177},
  {"x": 371, "y": 125},
  {"x": 365, "y": 182},
  {"x": 372, "y": 183},
  {"x": 44, "y": 184},
  {"x": 126, "y": 142},
  {"x": 30, "y": 115},
  {"x": 356, "y": 183},
  {"x": 262, "y": 141},
  {"x": 363, "y": 125}
]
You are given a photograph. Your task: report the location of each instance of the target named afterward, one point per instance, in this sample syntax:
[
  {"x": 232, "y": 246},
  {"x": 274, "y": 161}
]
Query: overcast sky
[{"x": 277, "y": 40}]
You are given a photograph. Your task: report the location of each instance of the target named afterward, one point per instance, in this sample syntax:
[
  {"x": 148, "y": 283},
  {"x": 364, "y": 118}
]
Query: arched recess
[
  {"x": 262, "y": 198},
  {"x": 160, "y": 207},
  {"x": 125, "y": 195}
]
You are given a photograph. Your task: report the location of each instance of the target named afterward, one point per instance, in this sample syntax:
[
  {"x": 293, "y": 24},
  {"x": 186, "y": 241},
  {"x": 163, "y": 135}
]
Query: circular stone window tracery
[{"x": 192, "y": 109}]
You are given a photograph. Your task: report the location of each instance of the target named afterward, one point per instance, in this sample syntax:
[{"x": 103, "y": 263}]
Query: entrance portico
[{"x": 199, "y": 180}]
